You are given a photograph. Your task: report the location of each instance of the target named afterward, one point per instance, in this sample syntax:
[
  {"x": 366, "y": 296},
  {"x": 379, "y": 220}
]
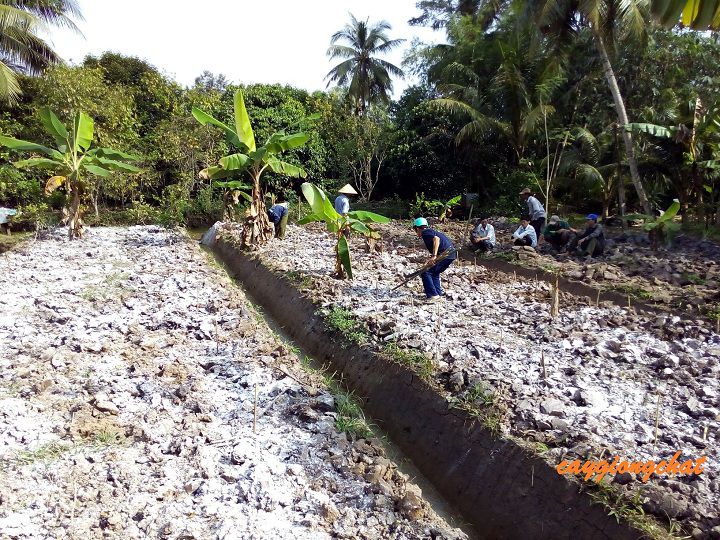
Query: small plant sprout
[{"x": 340, "y": 225}]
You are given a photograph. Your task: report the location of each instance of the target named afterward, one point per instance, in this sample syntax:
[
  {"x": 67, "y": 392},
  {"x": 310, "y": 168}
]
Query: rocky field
[
  {"x": 595, "y": 380},
  {"x": 141, "y": 397},
  {"x": 684, "y": 278}
]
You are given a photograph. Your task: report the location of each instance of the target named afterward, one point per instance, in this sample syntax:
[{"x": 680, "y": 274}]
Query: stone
[
  {"x": 411, "y": 506},
  {"x": 456, "y": 381},
  {"x": 553, "y": 407}
]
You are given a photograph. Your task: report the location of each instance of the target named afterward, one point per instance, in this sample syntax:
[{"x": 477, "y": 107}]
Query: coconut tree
[
  {"x": 514, "y": 104},
  {"x": 609, "y": 21},
  {"x": 22, "y": 50},
  {"x": 74, "y": 164},
  {"x": 367, "y": 77},
  {"x": 252, "y": 161}
]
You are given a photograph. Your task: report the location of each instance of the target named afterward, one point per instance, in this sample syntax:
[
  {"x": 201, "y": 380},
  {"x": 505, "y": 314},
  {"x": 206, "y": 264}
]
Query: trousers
[{"x": 431, "y": 278}]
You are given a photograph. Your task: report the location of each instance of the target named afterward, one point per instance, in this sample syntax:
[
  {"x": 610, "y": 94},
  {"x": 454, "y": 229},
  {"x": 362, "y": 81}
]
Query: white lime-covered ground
[
  {"x": 129, "y": 367},
  {"x": 611, "y": 375}
]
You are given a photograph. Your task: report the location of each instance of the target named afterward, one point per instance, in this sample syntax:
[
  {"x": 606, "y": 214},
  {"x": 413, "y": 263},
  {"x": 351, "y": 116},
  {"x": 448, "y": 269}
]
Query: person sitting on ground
[
  {"x": 483, "y": 236},
  {"x": 558, "y": 233},
  {"x": 278, "y": 215},
  {"x": 436, "y": 243},
  {"x": 536, "y": 211},
  {"x": 591, "y": 241},
  {"x": 525, "y": 234},
  {"x": 5, "y": 215},
  {"x": 342, "y": 201}
]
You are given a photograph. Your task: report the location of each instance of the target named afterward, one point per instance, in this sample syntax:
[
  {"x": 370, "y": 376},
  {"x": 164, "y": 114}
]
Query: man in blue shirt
[
  {"x": 436, "y": 243},
  {"x": 535, "y": 210},
  {"x": 342, "y": 202},
  {"x": 278, "y": 216}
]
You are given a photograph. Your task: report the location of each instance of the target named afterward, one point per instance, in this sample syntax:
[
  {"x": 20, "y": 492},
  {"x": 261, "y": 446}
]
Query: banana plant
[
  {"x": 73, "y": 163},
  {"x": 663, "y": 228},
  {"x": 252, "y": 161},
  {"x": 339, "y": 225}
]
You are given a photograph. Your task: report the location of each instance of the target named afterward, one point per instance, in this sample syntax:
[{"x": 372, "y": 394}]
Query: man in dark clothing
[
  {"x": 591, "y": 241},
  {"x": 558, "y": 233},
  {"x": 278, "y": 216},
  {"x": 436, "y": 243}
]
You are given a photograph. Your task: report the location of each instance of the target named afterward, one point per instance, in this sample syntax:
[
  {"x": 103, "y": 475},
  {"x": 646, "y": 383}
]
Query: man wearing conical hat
[{"x": 342, "y": 201}]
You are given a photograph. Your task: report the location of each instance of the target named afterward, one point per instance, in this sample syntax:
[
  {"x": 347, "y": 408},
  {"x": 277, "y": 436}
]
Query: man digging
[{"x": 436, "y": 242}]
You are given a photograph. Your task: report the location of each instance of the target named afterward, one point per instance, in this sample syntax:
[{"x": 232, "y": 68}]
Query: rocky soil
[
  {"x": 685, "y": 277},
  {"x": 609, "y": 374},
  {"x": 131, "y": 375}
]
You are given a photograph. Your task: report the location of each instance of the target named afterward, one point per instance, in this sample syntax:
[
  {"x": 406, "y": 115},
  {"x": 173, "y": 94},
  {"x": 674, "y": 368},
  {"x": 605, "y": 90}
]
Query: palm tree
[
  {"x": 608, "y": 21},
  {"x": 514, "y": 104},
  {"x": 22, "y": 50},
  {"x": 366, "y": 76}
]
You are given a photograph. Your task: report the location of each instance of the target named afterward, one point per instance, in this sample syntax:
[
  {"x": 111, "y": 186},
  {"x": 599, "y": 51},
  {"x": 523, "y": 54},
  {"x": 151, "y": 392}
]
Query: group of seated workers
[{"x": 589, "y": 242}]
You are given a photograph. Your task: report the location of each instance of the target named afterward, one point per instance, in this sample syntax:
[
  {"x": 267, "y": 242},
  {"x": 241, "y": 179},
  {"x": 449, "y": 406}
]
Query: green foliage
[
  {"x": 418, "y": 362},
  {"x": 340, "y": 225},
  {"x": 72, "y": 161},
  {"x": 345, "y": 322},
  {"x": 437, "y": 208}
]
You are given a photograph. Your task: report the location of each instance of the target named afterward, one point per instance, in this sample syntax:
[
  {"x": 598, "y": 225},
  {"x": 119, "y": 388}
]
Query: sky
[{"x": 258, "y": 41}]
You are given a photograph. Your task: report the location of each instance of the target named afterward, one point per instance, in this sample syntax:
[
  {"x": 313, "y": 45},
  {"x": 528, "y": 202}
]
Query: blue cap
[
  {"x": 594, "y": 217},
  {"x": 420, "y": 222}
]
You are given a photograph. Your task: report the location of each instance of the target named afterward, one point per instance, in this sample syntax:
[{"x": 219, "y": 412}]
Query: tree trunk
[
  {"x": 620, "y": 183},
  {"x": 257, "y": 229},
  {"x": 75, "y": 222},
  {"x": 622, "y": 120}
]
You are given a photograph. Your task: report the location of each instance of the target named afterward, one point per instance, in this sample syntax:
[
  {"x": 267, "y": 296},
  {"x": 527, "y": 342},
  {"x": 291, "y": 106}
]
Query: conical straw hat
[{"x": 347, "y": 189}]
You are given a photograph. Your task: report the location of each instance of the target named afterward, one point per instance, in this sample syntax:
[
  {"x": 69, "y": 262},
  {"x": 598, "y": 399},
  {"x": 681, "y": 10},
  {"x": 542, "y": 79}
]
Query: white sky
[{"x": 249, "y": 41}]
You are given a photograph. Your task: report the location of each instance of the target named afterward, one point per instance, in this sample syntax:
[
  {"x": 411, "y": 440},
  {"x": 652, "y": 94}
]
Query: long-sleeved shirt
[
  {"x": 522, "y": 232},
  {"x": 535, "y": 208},
  {"x": 484, "y": 232},
  {"x": 596, "y": 231},
  {"x": 277, "y": 212},
  {"x": 342, "y": 204},
  {"x": 445, "y": 243}
]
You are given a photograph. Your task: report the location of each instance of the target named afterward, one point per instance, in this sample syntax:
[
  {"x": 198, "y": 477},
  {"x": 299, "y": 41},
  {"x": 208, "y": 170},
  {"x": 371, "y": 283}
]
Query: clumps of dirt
[
  {"x": 593, "y": 380},
  {"x": 140, "y": 396}
]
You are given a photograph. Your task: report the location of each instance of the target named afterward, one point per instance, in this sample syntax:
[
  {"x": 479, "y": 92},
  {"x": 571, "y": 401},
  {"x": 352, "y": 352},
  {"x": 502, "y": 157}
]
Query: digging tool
[{"x": 444, "y": 255}]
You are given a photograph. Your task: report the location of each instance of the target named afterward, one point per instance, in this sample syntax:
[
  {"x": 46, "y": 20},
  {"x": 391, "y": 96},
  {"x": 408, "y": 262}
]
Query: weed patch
[
  {"x": 344, "y": 322},
  {"x": 418, "y": 362},
  {"x": 623, "y": 508},
  {"x": 484, "y": 405}
]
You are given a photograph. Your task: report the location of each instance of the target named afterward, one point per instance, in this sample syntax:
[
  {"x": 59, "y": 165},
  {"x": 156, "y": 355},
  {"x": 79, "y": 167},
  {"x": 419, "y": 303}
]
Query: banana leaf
[
  {"x": 54, "y": 126},
  {"x": 344, "y": 254},
  {"x": 84, "y": 130},
  {"x": 363, "y": 215},
  {"x": 242, "y": 122}
]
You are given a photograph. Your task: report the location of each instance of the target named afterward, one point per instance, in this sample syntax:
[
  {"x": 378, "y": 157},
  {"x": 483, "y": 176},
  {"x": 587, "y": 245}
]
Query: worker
[
  {"x": 278, "y": 215},
  {"x": 536, "y": 211},
  {"x": 525, "y": 234},
  {"x": 342, "y": 201},
  {"x": 5, "y": 215},
  {"x": 558, "y": 233},
  {"x": 482, "y": 237},
  {"x": 436, "y": 243},
  {"x": 591, "y": 242}
]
